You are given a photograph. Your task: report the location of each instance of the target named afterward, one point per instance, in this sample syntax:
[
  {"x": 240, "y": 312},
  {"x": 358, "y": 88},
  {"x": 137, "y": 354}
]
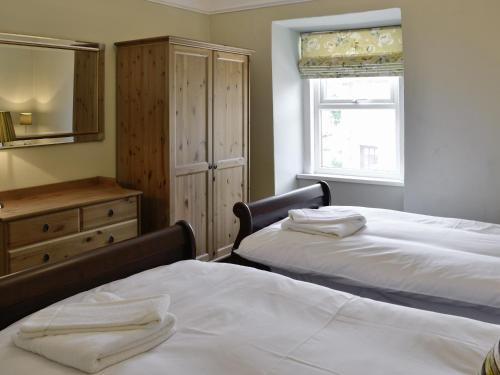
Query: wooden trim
[
  {"x": 192, "y": 169},
  {"x": 170, "y": 94},
  {"x": 231, "y": 163},
  {"x": 139, "y": 215},
  {"x": 3, "y": 248},
  {"x": 58, "y": 135},
  {"x": 187, "y": 43},
  {"x": 28, "y": 291},
  {"x": 248, "y": 134},
  {"x": 210, "y": 175},
  {"x": 98, "y": 135},
  {"x": 158, "y": 39},
  {"x": 50, "y": 45},
  {"x": 225, "y": 56},
  {"x": 49, "y": 188},
  {"x": 260, "y": 214},
  {"x": 246, "y": 125}
]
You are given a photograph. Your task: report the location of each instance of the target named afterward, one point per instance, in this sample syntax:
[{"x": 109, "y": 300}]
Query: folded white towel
[
  {"x": 99, "y": 332},
  {"x": 330, "y": 220},
  {"x": 92, "y": 352},
  {"x": 340, "y": 230},
  {"x": 324, "y": 215},
  {"x": 107, "y": 312}
]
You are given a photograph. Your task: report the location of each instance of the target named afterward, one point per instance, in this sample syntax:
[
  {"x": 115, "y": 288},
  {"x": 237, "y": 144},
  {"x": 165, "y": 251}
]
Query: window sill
[{"x": 353, "y": 179}]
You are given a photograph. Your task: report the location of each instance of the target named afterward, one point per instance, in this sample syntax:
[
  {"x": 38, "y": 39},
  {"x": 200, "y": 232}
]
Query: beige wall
[
  {"x": 105, "y": 21},
  {"x": 451, "y": 90},
  {"x": 252, "y": 29},
  {"x": 452, "y": 115}
]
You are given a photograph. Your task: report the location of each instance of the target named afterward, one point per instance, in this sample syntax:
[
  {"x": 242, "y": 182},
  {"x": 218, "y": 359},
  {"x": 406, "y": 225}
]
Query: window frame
[{"x": 314, "y": 101}]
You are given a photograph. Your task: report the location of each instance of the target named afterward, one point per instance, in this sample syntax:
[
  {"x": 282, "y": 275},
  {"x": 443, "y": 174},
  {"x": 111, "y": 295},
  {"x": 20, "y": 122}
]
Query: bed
[
  {"x": 438, "y": 264},
  {"x": 239, "y": 320},
  {"x": 26, "y": 292}
]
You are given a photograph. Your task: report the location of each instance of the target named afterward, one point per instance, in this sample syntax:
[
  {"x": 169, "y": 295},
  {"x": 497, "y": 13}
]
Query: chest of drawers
[{"x": 45, "y": 224}]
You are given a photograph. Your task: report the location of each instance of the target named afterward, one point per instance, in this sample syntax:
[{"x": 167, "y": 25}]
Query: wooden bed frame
[
  {"x": 28, "y": 291},
  {"x": 260, "y": 214}
]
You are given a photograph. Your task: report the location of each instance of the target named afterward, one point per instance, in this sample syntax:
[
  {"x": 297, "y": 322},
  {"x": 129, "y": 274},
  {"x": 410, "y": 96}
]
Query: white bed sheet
[
  {"x": 238, "y": 320},
  {"x": 442, "y": 257}
]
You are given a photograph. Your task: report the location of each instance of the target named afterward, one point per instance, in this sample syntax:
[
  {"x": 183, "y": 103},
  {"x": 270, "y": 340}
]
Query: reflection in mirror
[
  {"x": 50, "y": 91},
  {"x": 38, "y": 81}
]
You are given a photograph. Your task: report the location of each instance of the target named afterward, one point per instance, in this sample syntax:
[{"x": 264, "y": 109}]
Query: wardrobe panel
[
  {"x": 192, "y": 204},
  {"x": 191, "y": 141},
  {"x": 230, "y": 144},
  {"x": 86, "y": 93},
  {"x": 142, "y": 128},
  {"x": 230, "y": 103},
  {"x": 190, "y": 97},
  {"x": 229, "y": 188}
]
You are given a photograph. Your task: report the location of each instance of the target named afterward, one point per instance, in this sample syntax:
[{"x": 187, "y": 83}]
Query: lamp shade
[
  {"x": 26, "y": 118},
  {"x": 7, "y": 133}
]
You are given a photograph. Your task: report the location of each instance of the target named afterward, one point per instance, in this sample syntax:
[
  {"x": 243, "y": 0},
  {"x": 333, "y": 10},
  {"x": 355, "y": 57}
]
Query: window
[{"x": 357, "y": 127}]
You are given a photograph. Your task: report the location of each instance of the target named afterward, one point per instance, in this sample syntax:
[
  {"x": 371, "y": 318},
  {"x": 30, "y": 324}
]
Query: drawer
[
  {"x": 42, "y": 228},
  {"x": 108, "y": 213},
  {"x": 64, "y": 248}
]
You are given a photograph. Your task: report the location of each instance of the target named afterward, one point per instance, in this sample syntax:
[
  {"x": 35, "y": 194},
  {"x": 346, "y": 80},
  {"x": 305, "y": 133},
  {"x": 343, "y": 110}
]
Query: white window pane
[
  {"x": 359, "y": 140},
  {"x": 348, "y": 89}
]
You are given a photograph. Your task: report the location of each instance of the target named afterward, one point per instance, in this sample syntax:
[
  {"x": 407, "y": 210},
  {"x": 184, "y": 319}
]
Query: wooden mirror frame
[{"x": 62, "y": 138}]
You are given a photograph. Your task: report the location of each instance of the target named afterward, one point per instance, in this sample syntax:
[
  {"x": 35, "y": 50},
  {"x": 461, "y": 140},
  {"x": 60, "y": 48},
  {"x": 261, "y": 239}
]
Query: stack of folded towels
[
  {"x": 331, "y": 221},
  {"x": 99, "y": 332}
]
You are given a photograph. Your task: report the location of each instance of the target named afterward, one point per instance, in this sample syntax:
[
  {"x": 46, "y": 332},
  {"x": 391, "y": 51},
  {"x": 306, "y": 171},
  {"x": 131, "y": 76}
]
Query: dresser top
[{"x": 38, "y": 200}]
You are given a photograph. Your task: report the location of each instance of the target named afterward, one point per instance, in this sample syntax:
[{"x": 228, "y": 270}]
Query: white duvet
[
  {"x": 441, "y": 257},
  {"x": 234, "y": 320}
]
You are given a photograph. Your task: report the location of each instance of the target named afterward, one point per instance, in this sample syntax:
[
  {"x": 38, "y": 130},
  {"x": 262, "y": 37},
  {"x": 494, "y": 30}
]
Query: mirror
[{"x": 51, "y": 91}]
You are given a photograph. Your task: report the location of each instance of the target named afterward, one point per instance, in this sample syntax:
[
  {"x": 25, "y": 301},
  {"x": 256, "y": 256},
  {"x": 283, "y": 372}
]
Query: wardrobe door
[
  {"x": 141, "y": 121},
  {"x": 191, "y": 142},
  {"x": 230, "y": 145}
]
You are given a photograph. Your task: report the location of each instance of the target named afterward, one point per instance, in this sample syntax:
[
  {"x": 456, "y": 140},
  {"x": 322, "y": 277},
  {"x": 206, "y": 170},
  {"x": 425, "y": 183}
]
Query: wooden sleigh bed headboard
[
  {"x": 259, "y": 214},
  {"x": 28, "y": 291}
]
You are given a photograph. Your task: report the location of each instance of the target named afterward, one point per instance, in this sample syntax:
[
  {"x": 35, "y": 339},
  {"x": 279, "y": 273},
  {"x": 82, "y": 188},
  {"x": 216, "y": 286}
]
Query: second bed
[{"x": 438, "y": 264}]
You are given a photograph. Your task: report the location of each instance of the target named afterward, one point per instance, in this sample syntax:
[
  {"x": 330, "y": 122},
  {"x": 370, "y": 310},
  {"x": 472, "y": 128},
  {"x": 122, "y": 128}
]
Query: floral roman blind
[{"x": 352, "y": 53}]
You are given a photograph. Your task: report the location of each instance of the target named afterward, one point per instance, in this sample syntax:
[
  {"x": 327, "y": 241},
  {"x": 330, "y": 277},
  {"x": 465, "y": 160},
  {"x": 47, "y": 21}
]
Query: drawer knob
[
  {"x": 111, "y": 239},
  {"x": 111, "y": 212},
  {"x": 45, "y": 228},
  {"x": 46, "y": 258}
]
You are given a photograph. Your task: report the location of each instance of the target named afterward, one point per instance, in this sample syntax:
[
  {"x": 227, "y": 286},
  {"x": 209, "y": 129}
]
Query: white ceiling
[{"x": 222, "y": 6}]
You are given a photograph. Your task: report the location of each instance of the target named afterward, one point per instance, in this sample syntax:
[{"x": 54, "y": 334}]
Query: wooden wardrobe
[{"x": 182, "y": 134}]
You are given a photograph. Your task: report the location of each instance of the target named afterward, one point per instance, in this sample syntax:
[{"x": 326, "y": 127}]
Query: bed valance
[{"x": 352, "y": 53}]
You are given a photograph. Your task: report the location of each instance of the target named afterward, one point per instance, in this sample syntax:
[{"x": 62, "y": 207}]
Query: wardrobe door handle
[
  {"x": 209, "y": 166},
  {"x": 215, "y": 166}
]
